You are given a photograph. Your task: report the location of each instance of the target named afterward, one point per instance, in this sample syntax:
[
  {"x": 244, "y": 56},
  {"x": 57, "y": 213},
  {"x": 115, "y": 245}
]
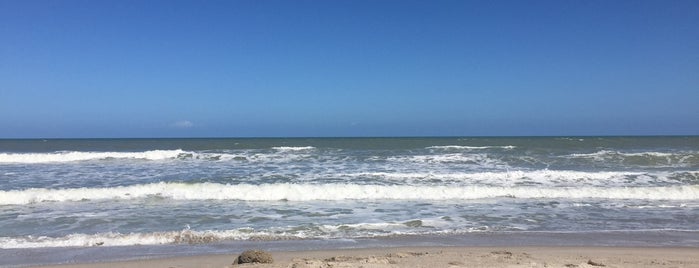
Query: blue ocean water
[{"x": 128, "y": 192}]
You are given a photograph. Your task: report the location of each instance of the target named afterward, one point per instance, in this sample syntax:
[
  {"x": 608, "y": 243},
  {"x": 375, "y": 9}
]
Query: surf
[{"x": 311, "y": 192}]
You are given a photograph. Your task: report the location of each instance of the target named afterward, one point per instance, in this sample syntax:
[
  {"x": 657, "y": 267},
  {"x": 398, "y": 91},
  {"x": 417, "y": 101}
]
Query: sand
[{"x": 442, "y": 257}]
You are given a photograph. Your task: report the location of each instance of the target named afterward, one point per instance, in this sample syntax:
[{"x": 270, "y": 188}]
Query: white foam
[
  {"x": 62, "y": 157},
  {"x": 34, "y": 158},
  {"x": 509, "y": 178},
  {"x": 188, "y": 236},
  {"x": 603, "y": 153},
  {"x": 117, "y": 239},
  {"x": 309, "y": 192},
  {"x": 379, "y": 226},
  {"x": 659, "y": 159},
  {"x": 293, "y": 148},
  {"x": 460, "y": 147},
  {"x": 476, "y": 159}
]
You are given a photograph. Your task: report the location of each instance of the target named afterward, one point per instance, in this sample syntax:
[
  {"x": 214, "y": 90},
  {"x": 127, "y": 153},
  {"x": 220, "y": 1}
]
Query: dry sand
[{"x": 442, "y": 257}]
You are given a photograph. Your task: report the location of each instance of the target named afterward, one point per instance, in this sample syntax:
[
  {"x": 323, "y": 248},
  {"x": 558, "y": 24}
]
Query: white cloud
[{"x": 183, "y": 124}]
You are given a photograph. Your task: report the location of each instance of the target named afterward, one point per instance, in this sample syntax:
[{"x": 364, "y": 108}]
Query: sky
[{"x": 258, "y": 68}]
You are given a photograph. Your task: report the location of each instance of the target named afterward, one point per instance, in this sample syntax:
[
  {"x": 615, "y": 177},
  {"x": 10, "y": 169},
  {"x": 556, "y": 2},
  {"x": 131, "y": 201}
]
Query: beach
[
  {"x": 174, "y": 134},
  {"x": 614, "y": 249},
  {"x": 151, "y": 200},
  {"x": 441, "y": 257}
]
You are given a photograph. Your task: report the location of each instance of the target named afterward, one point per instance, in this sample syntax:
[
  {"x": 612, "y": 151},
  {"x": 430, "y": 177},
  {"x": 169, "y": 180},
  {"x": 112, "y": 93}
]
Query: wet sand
[{"x": 441, "y": 257}]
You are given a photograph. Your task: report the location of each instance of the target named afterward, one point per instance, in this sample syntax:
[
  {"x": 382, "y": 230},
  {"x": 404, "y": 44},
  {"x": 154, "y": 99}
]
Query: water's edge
[{"x": 69, "y": 255}]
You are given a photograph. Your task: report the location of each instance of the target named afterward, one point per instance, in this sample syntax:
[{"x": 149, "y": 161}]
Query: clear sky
[{"x": 348, "y": 68}]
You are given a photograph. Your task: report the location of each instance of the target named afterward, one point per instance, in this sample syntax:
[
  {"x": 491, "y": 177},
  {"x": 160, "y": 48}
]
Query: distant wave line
[
  {"x": 69, "y": 156},
  {"x": 457, "y": 147},
  {"x": 72, "y": 156},
  {"x": 636, "y": 154},
  {"x": 293, "y": 148}
]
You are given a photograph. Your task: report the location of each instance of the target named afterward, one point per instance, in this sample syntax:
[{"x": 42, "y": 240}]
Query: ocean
[{"x": 63, "y": 197}]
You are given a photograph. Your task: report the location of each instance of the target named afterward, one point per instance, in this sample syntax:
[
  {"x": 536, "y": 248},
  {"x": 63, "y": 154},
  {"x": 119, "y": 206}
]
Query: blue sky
[{"x": 348, "y": 68}]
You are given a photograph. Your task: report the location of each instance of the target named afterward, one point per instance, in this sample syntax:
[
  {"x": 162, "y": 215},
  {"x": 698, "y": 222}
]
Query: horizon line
[{"x": 361, "y": 137}]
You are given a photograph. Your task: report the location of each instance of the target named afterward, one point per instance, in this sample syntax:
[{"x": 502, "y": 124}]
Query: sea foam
[
  {"x": 293, "y": 148},
  {"x": 117, "y": 239},
  {"x": 461, "y": 147},
  {"x": 189, "y": 236},
  {"x": 542, "y": 177},
  {"x": 34, "y": 158},
  {"x": 309, "y": 192}
]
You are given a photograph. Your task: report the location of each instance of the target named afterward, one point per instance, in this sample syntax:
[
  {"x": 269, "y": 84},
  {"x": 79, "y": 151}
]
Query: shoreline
[
  {"x": 127, "y": 255},
  {"x": 438, "y": 256}
]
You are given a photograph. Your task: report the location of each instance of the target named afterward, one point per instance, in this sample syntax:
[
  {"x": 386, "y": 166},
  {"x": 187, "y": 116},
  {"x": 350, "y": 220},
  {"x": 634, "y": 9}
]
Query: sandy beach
[{"x": 441, "y": 257}]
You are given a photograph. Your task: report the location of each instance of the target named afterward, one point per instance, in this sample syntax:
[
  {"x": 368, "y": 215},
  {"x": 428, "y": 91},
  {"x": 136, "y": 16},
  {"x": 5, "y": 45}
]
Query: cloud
[{"x": 183, "y": 124}]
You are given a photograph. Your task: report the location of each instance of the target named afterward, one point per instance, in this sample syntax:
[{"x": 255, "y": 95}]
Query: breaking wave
[
  {"x": 188, "y": 236},
  {"x": 279, "y": 154},
  {"x": 460, "y": 147},
  {"x": 293, "y": 148},
  {"x": 117, "y": 239},
  {"x": 310, "y": 192},
  {"x": 536, "y": 177},
  {"x": 650, "y": 158},
  {"x": 603, "y": 153},
  {"x": 34, "y": 158}
]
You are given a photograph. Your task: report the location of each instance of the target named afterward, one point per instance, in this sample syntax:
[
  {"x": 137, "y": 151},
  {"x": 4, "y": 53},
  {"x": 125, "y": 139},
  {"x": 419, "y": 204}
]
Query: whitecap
[
  {"x": 309, "y": 192},
  {"x": 70, "y": 156}
]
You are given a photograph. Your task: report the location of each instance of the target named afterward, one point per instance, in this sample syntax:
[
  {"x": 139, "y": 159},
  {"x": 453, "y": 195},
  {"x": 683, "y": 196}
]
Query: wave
[
  {"x": 603, "y": 153},
  {"x": 311, "y": 192},
  {"x": 281, "y": 154},
  {"x": 34, "y": 158},
  {"x": 188, "y": 236},
  {"x": 156, "y": 238},
  {"x": 460, "y": 147},
  {"x": 192, "y": 237},
  {"x": 451, "y": 158},
  {"x": 541, "y": 177},
  {"x": 606, "y": 154},
  {"x": 650, "y": 158},
  {"x": 293, "y": 148}
]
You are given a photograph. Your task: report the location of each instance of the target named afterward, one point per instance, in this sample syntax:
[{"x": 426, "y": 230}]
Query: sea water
[{"x": 82, "y": 193}]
